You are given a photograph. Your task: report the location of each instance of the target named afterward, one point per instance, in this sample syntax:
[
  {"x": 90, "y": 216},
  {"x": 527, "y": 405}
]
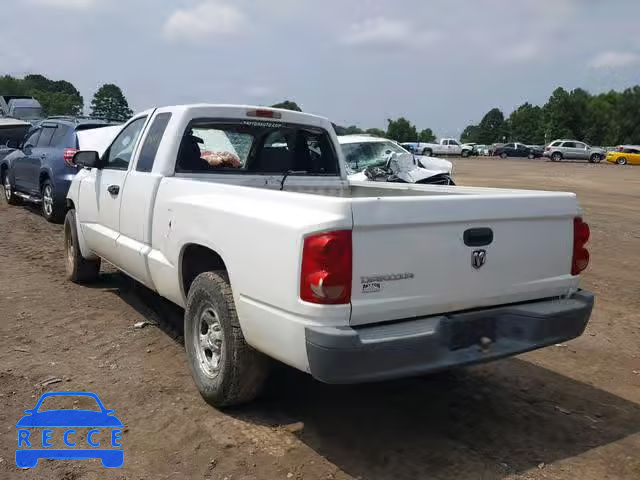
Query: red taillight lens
[
  {"x": 68, "y": 156},
  {"x": 581, "y": 235},
  {"x": 264, "y": 113},
  {"x": 326, "y": 268}
]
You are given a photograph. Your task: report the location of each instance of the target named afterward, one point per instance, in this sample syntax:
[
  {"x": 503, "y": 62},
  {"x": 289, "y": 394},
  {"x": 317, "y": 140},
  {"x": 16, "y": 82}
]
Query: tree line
[
  {"x": 60, "y": 97},
  {"x": 401, "y": 129},
  {"x": 605, "y": 119}
]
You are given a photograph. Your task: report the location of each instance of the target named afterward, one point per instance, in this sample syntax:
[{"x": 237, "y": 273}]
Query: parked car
[
  {"x": 21, "y": 107},
  {"x": 380, "y": 159},
  {"x": 573, "y": 150},
  {"x": 517, "y": 150},
  {"x": 40, "y": 171},
  {"x": 12, "y": 131},
  {"x": 274, "y": 253},
  {"x": 625, "y": 155},
  {"x": 446, "y": 146}
]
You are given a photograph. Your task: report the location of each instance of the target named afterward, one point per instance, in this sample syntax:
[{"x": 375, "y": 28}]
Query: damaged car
[{"x": 383, "y": 160}]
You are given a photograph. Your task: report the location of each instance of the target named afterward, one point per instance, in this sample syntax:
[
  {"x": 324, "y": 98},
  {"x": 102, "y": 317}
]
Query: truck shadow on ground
[{"x": 488, "y": 421}]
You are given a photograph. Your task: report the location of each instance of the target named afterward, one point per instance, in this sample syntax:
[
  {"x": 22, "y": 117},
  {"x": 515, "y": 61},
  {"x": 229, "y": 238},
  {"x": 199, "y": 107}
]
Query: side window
[
  {"x": 152, "y": 142},
  {"x": 119, "y": 154},
  {"x": 569, "y": 145},
  {"x": 45, "y": 136},
  {"x": 454, "y": 143},
  {"x": 33, "y": 138},
  {"x": 581, "y": 145},
  {"x": 60, "y": 136}
]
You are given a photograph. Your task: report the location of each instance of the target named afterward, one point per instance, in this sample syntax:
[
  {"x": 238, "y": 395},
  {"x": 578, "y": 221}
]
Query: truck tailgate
[{"x": 410, "y": 258}]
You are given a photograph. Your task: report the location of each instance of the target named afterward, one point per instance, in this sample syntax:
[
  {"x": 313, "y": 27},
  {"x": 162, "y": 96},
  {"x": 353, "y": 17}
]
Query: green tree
[
  {"x": 57, "y": 97},
  {"x": 426, "y": 136},
  {"x": 109, "y": 102},
  {"x": 376, "y": 132},
  {"x": 526, "y": 125},
  {"x": 492, "y": 127},
  {"x": 401, "y": 130},
  {"x": 471, "y": 134},
  {"x": 352, "y": 130},
  {"x": 628, "y": 116},
  {"x": 288, "y": 105}
]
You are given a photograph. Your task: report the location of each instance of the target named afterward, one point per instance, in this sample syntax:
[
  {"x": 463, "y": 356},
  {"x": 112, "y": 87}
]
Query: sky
[{"x": 441, "y": 63}]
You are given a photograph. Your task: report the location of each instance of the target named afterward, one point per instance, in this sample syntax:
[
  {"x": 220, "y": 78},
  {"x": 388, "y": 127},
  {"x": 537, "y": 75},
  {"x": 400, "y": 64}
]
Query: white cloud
[
  {"x": 614, "y": 59},
  {"x": 387, "y": 32},
  {"x": 69, "y": 4},
  {"x": 209, "y": 19}
]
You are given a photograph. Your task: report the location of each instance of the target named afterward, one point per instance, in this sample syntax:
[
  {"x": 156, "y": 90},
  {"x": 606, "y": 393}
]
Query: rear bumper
[{"x": 425, "y": 345}]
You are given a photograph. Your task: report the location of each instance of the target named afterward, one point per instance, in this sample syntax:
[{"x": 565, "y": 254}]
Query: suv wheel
[
  {"x": 595, "y": 158},
  {"x": 52, "y": 211},
  {"x": 7, "y": 188},
  {"x": 226, "y": 370},
  {"x": 556, "y": 157}
]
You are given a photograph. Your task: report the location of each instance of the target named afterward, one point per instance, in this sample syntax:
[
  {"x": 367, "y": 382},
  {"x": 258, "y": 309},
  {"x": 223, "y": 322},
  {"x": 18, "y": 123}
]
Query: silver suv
[{"x": 573, "y": 150}]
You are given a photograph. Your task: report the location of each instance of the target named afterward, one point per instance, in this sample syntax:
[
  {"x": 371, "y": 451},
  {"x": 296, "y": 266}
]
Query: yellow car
[{"x": 625, "y": 155}]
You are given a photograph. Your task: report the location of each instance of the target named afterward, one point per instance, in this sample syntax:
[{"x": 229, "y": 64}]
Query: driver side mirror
[{"x": 87, "y": 159}]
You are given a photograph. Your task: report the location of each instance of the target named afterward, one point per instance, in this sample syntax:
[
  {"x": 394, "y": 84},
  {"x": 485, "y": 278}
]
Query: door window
[
  {"x": 32, "y": 140},
  {"x": 569, "y": 145},
  {"x": 119, "y": 154},
  {"x": 46, "y": 136},
  {"x": 152, "y": 142},
  {"x": 581, "y": 145},
  {"x": 60, "y": 136}
]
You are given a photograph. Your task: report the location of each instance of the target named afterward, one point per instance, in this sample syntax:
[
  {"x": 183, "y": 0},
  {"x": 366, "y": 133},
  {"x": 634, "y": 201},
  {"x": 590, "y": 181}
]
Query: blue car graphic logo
[{"x": 32, "y": 447}]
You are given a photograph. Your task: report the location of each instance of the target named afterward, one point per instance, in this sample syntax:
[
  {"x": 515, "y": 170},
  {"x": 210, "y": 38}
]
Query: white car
[
  {"x": 374, "y": 158},
  {"x": 273, "y": 252},
  {"x": 446, "y": 146}
]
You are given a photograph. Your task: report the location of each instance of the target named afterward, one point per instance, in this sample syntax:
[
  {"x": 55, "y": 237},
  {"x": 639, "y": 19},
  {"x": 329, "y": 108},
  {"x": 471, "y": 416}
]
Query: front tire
[
  {"x": 52, "y": 211},
  {"x": 7, "y": 189},
  {"x": 556, "y": 157},
  {"x": 427, "y": 152},
  {"x": 226, "y": 370},
  {"x": 503, "y": 155},
  {"x": 595, "y": 158},
  {"x": 531, "y": 156},
  {"x": 621, "y": 161},
  {"x": 78, "y": 268},
  {"x": 465, "y": 153}
]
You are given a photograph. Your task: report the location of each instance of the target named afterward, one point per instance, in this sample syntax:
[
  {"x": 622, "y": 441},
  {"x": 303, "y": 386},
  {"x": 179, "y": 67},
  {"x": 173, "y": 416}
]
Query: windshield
[
  {"x": 362, "y": 155},
  {"x": 27, "y": 112}
]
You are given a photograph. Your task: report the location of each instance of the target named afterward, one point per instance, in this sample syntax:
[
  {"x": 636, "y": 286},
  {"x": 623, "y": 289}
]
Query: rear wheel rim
[
  {"x": 208, "y": 340},
  {"x": 47, "y": 200},
  {"x": 70, "y": 253},
  {"x": 622, "y": 161},
  {"x": 7, "y": 187}
]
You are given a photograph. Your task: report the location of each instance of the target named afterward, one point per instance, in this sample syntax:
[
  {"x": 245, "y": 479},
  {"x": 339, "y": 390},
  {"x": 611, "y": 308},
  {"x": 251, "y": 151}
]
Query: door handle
[
  {"x": 478, "y": 237},
  {"x": 113, "y": 189}
]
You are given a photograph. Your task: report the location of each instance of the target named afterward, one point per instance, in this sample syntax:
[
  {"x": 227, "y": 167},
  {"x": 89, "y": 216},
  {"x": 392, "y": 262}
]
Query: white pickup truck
[
  {"x": 446, "y": 146},
  {"x": 244, "y": 216}
]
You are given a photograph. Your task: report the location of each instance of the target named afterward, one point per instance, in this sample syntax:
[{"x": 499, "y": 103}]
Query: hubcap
[
  {"x": 208, "y": 342},
  {"x": 69, "y": 244},
  {"x": 47, "y": 200},
  {"x": 7, "y": 187}
]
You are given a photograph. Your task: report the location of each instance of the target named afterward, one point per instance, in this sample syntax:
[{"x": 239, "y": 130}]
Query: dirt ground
[{"x": 565, "y": 412}]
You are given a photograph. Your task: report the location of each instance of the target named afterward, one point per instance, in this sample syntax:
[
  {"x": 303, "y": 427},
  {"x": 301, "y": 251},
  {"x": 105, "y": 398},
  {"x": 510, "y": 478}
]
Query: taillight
[
  {"x": 326, "y": 268},
  {"x": 581, "y": 235},
  {"x": 264, "y": 113},
  {"x": 68, "y": 156}
]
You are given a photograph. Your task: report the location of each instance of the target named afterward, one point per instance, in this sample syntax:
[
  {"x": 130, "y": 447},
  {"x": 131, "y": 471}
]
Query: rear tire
[
  {"x": 78, "y": 268},
  {"x": 8, "y": 190},
  {"x": 556, "y": 157},
  {"x": 503, "y": 155},
  {"x": 52, "y": 211},
  {"x": 226, "y": 370},
  {"x": 621, "y": 161}
]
